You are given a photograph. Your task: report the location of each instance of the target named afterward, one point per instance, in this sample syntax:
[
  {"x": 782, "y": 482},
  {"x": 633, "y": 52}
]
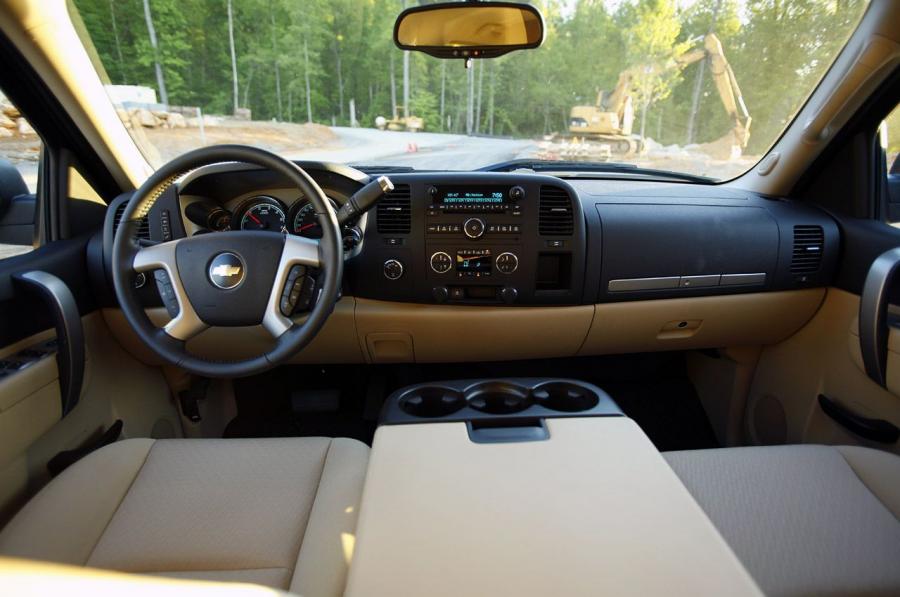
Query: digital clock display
[{"x": 453, "y": 196}]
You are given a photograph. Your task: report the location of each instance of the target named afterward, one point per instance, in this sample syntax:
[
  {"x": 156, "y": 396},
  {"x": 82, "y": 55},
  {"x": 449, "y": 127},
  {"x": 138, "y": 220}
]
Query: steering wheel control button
[
  {"x": 226, "y": 271},
  {"x": 293, "y": 290},
  {"x": 507, "y": 263},
  {"x": 393, "y": 269},
  {"x": 166, "y": 293},
  {"x": 441, "y": 262},
  {"x": 474, "y": 228}
]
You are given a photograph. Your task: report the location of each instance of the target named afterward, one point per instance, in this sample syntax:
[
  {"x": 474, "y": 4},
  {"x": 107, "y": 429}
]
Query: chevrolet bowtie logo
[{"x": 226, "y": 271}]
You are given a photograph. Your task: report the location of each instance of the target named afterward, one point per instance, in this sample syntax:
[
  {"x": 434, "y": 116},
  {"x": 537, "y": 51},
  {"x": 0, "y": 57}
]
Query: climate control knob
[
  {"x": 393, "y": 269},
  {"x": 474, "y": 228},
  {"x": 507, "y": 263},
  {"x": 441, "y": 262}
]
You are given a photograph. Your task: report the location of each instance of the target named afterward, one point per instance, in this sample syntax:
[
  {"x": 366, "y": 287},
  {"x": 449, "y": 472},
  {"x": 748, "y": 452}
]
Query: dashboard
[{"x": 521, "y": 238}]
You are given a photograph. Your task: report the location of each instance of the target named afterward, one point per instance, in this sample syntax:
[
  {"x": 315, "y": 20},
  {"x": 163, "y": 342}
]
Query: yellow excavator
[{"x": 610, "y": 120}]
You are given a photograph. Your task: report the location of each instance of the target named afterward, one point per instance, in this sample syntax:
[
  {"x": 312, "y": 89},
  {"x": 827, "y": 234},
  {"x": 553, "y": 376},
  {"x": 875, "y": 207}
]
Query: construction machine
[
  {"x": 609, "y": 121},
  {"x": 412, "y": 124}
]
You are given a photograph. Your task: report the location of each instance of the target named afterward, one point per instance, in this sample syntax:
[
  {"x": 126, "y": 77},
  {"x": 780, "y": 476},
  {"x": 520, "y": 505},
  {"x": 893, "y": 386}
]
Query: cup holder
[
  {"x": 498, "y": 398},
  {"x": 565, "y": 397},
  {"x": 432, "y": 402}
]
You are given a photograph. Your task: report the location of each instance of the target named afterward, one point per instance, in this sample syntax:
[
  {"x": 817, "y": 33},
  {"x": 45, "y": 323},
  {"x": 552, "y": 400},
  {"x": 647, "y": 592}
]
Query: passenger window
[
  {"x": 889, "y": 136},
  {"x": 20, "y": 152}
]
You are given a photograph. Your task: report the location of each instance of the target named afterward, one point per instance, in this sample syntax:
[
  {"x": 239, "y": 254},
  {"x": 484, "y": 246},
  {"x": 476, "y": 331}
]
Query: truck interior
[{"x": 229, "y": 369}]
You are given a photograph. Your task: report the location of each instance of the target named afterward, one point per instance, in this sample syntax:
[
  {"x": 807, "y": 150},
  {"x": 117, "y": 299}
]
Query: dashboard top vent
[
  {"x": 143, "y": 230},
  {"x": 393, "y": 213},
  {"x": 809, "y": 243},
  {"x": 556, "y": 216}
]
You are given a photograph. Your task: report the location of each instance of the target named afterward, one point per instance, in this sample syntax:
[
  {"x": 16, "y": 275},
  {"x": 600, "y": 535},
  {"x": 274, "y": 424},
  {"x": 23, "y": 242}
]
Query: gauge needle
[
  {"x": 255, "y": 219},
  {"x": 305, "y": 227}
]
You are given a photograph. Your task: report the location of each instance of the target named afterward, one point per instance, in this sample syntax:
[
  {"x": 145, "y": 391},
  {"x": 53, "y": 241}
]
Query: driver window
[{"x": 20, "y": 151}]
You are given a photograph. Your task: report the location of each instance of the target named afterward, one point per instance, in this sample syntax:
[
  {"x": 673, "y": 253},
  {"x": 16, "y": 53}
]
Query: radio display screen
[
  {"x": 457, "y": 196},
  {"x": 479, "y": 263}
]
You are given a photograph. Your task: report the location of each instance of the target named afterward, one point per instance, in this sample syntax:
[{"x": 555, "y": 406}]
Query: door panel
[{"x": 822, "y": 358}]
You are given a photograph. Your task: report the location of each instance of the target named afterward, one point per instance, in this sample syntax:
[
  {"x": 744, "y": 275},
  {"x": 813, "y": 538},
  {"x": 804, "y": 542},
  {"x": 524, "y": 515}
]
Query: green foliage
[{"x": 778, "y": 50}]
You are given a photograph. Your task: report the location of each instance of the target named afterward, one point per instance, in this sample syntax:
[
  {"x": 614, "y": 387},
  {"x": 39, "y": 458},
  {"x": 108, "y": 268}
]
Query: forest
[{"x": 305, "y": 60}]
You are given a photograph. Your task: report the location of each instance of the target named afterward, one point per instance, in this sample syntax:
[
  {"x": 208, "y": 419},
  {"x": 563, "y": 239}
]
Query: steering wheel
[{"x": 227, "y": 279}]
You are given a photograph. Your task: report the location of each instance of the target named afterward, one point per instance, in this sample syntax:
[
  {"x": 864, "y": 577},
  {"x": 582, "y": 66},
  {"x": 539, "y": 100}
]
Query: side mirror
[{"x": 469, "y": 30}]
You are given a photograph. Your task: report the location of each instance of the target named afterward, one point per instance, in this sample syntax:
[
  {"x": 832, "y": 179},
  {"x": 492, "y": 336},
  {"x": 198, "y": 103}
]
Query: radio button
[
  {"x": 441, "y": 262},
  {"x": 507, "y": 263},
  {"x": 474, "y": 228}
]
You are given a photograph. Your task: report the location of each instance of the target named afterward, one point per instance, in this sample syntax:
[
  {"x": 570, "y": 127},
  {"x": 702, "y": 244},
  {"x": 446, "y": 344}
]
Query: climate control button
[
  {"x": 474, "y": 228},
  {"x": 441, "y": 262},
  {"x": 507, "y": 263}
]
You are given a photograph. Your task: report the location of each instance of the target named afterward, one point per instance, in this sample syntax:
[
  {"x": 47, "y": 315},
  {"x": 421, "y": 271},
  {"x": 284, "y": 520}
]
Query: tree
[
  {"x": 234, "y": 75},
  {"x": 652, "y": 47},
  {"x": 160, "y": 79}
]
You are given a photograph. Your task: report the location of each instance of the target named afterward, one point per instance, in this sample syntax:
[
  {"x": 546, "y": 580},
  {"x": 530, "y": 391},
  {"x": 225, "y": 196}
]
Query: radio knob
[
  {"x": 474, "y": 228},
  {"x": 508, "y": 294},
  {"x": 441, "y": 262},
  {"x": 440, "y": 294},
  {"x": 393, "y": 269},
  {"x": 516, "y": 193},
  {"x": 507, "y": 263}
]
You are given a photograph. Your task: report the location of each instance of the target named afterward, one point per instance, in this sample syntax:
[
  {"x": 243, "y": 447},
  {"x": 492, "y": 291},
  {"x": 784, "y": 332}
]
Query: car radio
[{"x": 473, "y": 241}]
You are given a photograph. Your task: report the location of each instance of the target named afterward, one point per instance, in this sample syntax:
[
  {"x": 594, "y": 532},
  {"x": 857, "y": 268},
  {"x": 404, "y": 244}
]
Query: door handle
[
  {"x": 69, "y": 334},
  {"x": 876, "y": 430},
  {"x": 873, "y": 314}
]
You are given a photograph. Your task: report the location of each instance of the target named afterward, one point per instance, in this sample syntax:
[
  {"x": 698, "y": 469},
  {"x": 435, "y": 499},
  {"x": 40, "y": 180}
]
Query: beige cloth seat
[
  {"x": 277, "y": 512},
  {"x": 804, "y": 520}
]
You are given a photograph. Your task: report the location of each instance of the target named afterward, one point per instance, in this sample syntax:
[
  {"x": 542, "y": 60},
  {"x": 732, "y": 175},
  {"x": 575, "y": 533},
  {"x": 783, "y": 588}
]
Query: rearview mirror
[{"x": 469, "y": 30}]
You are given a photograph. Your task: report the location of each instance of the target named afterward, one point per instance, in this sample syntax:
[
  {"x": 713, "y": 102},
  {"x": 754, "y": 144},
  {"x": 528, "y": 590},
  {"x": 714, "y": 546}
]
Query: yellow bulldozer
[{"x": 611, "y": 118}]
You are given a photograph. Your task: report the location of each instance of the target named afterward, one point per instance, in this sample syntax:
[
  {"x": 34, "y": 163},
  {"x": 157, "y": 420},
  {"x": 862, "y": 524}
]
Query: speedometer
[
  {"x": 261, "y": 213},
  {"x": 304, "y": 220}
]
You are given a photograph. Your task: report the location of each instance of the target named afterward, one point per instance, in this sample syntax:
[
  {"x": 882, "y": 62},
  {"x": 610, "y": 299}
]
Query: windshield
[{"x": 701, "y": 87}]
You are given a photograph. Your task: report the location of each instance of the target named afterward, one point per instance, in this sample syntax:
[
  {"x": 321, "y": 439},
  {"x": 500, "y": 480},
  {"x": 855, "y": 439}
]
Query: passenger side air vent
[
  {"x": 809, "y": 243},
  {"x": 143, "y": 230},
  {"x": 555, "y": 213},
  {"x": 393, "y": 213}
]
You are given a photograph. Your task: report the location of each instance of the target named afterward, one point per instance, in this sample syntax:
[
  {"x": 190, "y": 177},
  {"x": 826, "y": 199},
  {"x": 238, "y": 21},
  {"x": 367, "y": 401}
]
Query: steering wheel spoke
[
  {"x": 160, "y": 260},
  {"x": 298, "y": 255}
]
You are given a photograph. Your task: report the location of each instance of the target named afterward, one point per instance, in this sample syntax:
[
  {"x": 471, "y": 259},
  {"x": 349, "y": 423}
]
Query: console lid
[{"x": 592, "y": 510}]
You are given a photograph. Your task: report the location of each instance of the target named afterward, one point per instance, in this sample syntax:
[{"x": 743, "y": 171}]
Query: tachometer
[{"x": 261, "y": 213}]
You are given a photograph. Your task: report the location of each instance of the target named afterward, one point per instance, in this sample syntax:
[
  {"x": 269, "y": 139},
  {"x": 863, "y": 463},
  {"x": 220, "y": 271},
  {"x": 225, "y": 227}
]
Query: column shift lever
[{"x": 364, "y": 199}]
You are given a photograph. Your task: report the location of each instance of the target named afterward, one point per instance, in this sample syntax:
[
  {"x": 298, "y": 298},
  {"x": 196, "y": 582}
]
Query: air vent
[
  {"x": 143, "y": 229},
  {"x": 809, "y": 242},
  {"x": 393, "y": 213},
  {"x": 556, "y": 217}
]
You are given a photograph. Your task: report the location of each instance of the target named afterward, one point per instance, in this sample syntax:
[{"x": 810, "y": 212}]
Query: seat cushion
[
  {"x": 278, "y": 512},
  {"x": 804, "y": 520}
]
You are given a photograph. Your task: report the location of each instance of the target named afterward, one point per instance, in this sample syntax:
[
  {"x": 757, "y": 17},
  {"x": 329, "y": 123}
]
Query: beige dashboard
[{"x": 362, "y": 330}]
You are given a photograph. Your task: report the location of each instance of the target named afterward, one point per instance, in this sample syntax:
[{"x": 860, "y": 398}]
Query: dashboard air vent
[
  {"x": 556, "y": 218},
  {"x": 809, "y": 242},
  {"x": 393, "y": 212},
  {"x": 143, "y": 230}
]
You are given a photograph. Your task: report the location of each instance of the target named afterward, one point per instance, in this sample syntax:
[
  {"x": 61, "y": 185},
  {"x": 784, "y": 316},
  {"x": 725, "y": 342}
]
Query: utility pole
[
  {"x": 275, "y": 59},
  {"x": 698, "y": 82},
  {"x": 115, "y": 28},
  {"x": 393, "y": 90},
  {"x": 443, "y": 86},
  {"x": 306, "y": 76},
  {"x": 160, "y": 81},
  {"x": 234, "y": 77},
  {"x": 470, "y": 100},
  {"x": 405, "y": 78}
]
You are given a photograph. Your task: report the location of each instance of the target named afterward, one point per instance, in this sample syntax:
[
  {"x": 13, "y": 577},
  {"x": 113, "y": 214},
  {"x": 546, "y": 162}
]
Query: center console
[
  {"x": 477, "y": 238},
  {"x": 528, "y": 487}
]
